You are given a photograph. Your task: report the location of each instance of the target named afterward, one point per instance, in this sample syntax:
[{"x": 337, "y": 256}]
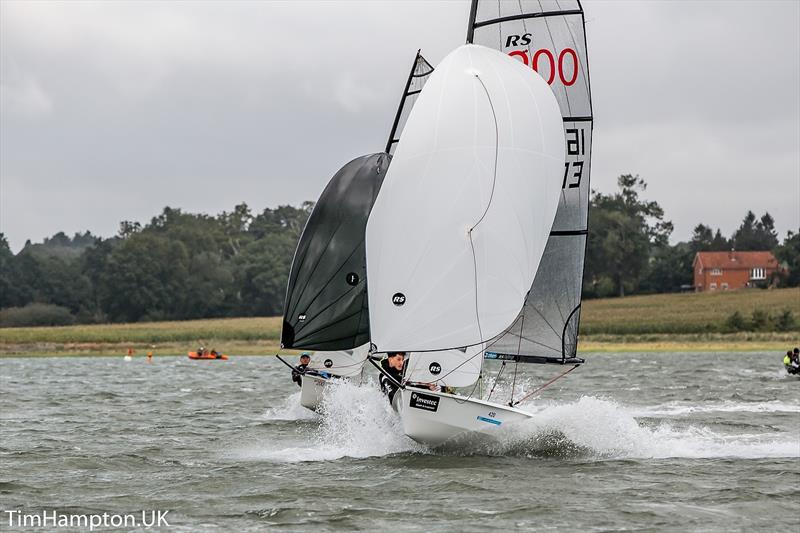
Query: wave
[
  {"x": 356, "y": 421},
  {"x": 601, "y": 428},
  {"x": 686, "y": 408},
  {"x": 289, "y": 409}
]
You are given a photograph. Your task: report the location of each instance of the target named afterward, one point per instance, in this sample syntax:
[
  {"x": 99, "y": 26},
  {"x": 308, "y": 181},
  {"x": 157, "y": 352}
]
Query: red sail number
[{"x": 551, "y": 63}]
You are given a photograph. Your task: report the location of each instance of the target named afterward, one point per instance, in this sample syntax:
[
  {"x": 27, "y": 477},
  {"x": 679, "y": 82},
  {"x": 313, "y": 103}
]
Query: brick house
[{"x": 721, "y": 271}]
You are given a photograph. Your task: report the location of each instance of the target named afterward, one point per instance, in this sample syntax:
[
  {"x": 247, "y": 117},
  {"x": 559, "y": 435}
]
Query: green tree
[
  {"x": 625, "y": 229},
  {"x": 788, "y": 254},
  {"x": 145, "y": 278},
  {"x": 755, "y": 235}
]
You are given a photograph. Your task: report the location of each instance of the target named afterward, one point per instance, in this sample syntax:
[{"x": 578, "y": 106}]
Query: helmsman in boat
[
  {"x": 392, "y": 375},
  {"x": 300, "y": 369}
]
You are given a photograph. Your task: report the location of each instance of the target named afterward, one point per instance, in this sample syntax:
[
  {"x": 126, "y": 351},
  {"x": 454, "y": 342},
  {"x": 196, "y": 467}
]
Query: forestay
[
  {"x": 461, "y": 221},
  {"x": 548, "y": 36}
]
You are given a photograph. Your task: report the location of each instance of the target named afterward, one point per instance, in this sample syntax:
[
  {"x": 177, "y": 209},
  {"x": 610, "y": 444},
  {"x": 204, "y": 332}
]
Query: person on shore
[{"x": 299, "y": 370}]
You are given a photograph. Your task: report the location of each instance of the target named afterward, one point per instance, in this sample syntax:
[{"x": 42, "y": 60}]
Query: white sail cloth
[
  {"x": 460, "y": 224},
  {"x": 451, "y": 368},
  {"x": 342, "y": 363}
]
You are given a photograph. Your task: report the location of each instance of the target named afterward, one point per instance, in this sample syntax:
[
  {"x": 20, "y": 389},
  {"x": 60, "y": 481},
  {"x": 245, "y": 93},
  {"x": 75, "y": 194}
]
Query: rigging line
[
  {"x": 546, "y": 322},
  {"x": 513, "y": 384},
  {"x": 539, "y": 343},
  {"x": 521, "y": 330},
  {"x": 561, "y": 375},
  {"x": 496, "y": 153},
  {"x": 486, "y": 210},
  {"x": 464, "y": 362},
  {"x": 499, "y": 373},
  {"x": 467, "y": 398},
  {"x": 361, "y": 362}
]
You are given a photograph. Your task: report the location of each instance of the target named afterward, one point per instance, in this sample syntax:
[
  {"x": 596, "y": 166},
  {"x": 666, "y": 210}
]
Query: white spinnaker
[
  {"x": 459, "y": 226},
  {"x": 450, "y": 368}
]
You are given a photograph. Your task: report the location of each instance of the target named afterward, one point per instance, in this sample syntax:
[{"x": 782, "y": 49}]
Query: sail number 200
[{"x": 548, "y": 56}]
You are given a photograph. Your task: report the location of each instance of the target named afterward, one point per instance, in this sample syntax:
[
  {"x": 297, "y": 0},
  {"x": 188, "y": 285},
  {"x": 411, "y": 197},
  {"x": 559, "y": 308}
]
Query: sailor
[
  {"x": 791, "y": 362},
  {"x": 300, "y": 369},
  {"x": 393, "y": 366},
  {"x": 392, "y": 373}
]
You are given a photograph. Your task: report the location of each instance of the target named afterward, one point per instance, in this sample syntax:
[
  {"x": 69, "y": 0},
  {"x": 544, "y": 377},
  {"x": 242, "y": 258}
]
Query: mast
[
  {"x": 473, "y": 10},
  {"x": 417, "y": 77}
]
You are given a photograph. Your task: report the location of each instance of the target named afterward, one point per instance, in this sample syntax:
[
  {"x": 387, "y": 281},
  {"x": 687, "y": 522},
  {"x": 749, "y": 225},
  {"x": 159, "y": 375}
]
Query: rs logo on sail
[{"x": 518, "y": 40}]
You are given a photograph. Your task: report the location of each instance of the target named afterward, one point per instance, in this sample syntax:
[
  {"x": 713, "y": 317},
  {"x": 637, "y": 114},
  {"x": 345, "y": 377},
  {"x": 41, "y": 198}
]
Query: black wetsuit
[
  {"x": 387, "y": 385},
  {"x": 297, "y": 374}
]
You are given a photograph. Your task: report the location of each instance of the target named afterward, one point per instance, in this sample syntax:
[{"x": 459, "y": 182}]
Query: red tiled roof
[{"x": 735, "y": 260}]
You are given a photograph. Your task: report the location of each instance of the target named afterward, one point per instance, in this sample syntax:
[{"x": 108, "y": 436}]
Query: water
[{"x": 661, "y": 442}]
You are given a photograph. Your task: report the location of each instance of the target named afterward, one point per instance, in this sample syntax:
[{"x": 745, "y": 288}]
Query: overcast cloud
[{"x": 111, "y": 111}]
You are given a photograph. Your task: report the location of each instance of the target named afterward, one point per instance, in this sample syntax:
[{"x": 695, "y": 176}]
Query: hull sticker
[{"x": 426, "y": 402}]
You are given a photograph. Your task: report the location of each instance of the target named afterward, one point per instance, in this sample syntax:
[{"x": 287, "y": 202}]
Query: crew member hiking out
[
  {"x": 300, "y": 369},
  {"x": 393, "y": 368}
]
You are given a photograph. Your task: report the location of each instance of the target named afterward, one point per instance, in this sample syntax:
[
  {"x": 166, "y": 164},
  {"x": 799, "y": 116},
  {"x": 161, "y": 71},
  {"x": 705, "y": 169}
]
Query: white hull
[
  {"x": 311, "y": 390},
  {"x": 434, "y": 418}
]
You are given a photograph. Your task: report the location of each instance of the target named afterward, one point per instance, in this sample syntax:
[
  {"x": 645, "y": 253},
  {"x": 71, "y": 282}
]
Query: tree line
[{"x": 185, "y": 265}]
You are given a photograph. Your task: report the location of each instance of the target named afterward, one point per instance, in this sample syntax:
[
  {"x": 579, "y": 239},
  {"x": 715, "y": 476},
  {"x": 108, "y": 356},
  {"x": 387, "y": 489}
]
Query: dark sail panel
[
  {"x": 326, "y": 300},
  {"x": 548, "y": 37}
]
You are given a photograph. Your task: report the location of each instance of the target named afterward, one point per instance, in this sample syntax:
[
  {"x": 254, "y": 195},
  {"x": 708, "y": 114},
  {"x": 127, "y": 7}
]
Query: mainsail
[
  {"x": 326, "y": 299},
  {"x": 548, "y": 36},
  {"x": 462, "y": 218},
  {"x": 420, "y": 72}
]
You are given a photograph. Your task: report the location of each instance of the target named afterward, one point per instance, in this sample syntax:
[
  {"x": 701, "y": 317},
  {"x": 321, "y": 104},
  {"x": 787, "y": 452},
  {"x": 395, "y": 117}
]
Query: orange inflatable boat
[{"x": 208, "y": 355}]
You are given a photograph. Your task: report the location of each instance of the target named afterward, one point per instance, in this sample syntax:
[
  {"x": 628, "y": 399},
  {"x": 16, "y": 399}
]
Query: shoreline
[{"x": 611, "y": 344}]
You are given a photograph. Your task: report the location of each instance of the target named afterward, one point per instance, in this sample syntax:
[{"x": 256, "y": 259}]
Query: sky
[{"x": 111, "y": 111}]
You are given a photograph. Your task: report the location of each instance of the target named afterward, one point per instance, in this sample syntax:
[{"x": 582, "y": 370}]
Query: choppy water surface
[{"x": 677, "y": 442}]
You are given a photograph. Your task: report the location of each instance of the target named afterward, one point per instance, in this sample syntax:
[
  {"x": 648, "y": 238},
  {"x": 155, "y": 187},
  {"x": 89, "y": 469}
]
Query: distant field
[
  {"x": 664, "y": 322},
  {"x": 682, "y": 313},
  {"x": 232, "y": 335}
]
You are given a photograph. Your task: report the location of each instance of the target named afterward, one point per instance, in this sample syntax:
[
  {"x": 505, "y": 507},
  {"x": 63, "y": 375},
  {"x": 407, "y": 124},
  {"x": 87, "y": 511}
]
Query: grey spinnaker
[
  {"x": 549, "y": 36},
  {"x": 326, "y": 300}
]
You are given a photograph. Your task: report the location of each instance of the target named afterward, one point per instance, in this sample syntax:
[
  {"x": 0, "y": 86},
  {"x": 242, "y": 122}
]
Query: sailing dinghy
[
  {"x": 326, "y": 306},
  {"x": 423, "y": 306},
  {"x": 459, "y": 227}
]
